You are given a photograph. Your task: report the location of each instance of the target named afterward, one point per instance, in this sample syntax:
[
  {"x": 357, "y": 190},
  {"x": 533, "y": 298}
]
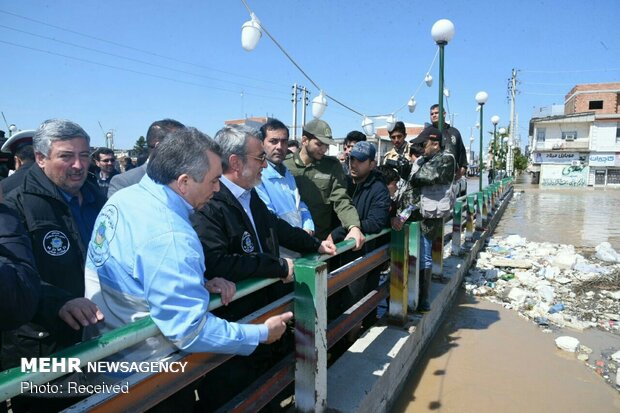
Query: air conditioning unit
[{"x": 570, "y": 137}]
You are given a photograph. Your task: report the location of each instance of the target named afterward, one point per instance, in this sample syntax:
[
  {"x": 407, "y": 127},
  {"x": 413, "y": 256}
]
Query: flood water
[{"x": 488, "y": 359}]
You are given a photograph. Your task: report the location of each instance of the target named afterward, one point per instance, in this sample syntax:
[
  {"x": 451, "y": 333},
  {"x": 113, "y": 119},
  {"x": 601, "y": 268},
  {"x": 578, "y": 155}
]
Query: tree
[
  {"x": 140, "y": 147},
  {"x": 520, "y": 160}
]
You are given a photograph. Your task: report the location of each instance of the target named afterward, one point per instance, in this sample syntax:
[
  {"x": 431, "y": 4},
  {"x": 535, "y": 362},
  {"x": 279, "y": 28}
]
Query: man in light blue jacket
[
  {"x": 152, "y": 264},
  {"x": 278, "y": 189}
]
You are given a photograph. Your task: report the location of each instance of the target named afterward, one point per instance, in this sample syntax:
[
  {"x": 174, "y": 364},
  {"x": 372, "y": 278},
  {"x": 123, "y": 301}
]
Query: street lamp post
[
  {"x": 502, "y": 133},
  {"x": 442, "y": 32},
  {"x": 494, "y": 121},
  {"x": 481, "y": 98}
]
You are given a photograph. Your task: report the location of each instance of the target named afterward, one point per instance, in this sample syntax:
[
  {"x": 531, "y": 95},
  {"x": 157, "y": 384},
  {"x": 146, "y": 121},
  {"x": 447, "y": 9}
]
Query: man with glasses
[
  {"x": 104, "y": 159},
  {"x": 156, "y": 133},
  {"x": 322, "y": 184},
  {"x": 241, "y": 238}
]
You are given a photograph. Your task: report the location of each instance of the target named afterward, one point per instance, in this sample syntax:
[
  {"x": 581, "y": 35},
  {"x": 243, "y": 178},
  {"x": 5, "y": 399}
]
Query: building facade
[{"x": 582, "y": 146}]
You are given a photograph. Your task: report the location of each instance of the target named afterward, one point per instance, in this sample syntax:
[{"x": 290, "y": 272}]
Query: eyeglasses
[{"x": 262, "y": 158}]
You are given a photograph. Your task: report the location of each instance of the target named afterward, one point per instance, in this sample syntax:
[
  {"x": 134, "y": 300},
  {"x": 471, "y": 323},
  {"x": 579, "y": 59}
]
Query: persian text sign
[
  {"x": 603, "y": 159},
  {"x": 564, "y": 176}
]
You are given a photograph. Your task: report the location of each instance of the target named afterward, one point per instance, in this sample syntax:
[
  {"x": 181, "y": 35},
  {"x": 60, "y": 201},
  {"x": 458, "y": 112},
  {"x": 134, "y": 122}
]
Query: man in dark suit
[{"x": 156, "y": 133}]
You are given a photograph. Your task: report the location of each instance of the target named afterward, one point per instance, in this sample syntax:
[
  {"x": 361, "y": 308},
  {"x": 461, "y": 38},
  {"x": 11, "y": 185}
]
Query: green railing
[{"x": 313, "y": 284}]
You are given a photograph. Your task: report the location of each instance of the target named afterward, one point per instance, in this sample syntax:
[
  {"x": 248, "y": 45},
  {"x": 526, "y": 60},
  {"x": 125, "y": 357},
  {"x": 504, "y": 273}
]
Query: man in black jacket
[
  {"x": 451, "y": 142},
  {"x": 58, "y": 207},
  {"x": 371, "y": 198},
  {"x": 241, "y": 240},
  {"x": 20, "y": 146}
]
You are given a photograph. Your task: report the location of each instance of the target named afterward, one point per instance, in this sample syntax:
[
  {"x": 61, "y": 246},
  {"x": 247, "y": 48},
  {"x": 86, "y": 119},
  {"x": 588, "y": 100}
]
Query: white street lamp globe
[
  {"x": 368, "y": 126},
  {"x": 446, "y": 92},
  {"x": 477, "y": 125},
  {"x": 505, "y": 139},
  {"x": 495, "y": 119},
  {"x": 390, "y": 122},
  {"x": 442, "y": 31},
  {"x": 319, "y": 104},
  {"x": 12, "y": 127},
  {"x": 428, "y": 79},
  {"x": 411, "y": 104},
  {"x": 481, "y": 97},
  {"x": 250, "y": 33},
  {"x": 502, "y": 131}
]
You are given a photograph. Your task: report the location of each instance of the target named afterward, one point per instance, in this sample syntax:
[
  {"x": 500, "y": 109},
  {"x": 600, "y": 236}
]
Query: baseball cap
[
  {"x": 363, "y": 150},
  {"x": 428, "y": 133},
  {"x": 319, "y": 129},
  {"x": 18, "y": 140}
]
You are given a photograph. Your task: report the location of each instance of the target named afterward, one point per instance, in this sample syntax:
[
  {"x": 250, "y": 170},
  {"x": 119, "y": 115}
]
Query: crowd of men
[{"x": 83, "y": 252}]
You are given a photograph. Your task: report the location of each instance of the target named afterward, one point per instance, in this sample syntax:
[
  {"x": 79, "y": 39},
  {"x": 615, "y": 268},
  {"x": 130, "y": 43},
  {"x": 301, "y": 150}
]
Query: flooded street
[{"x": 486, "y": 358}]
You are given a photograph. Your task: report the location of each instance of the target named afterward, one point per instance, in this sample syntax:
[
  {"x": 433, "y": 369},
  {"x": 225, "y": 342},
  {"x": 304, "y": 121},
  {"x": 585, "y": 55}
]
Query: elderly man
[
  {"x": 58, "y": 207},
  {"x": 239, "y": 235},
  {"x": 241, "y": 240},
  {"x": 20, "y": 146},
  {"x": 322, "y": 184},
  {"x": 278, "y": 189},
  {"x": 142, "y": 264},
  {"x": 156, "y": 133}
]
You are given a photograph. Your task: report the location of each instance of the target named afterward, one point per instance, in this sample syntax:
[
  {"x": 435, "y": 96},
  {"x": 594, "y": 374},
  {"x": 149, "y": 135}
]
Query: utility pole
[
  {"x": 512, "y": 90},
  {"x": 294, "y": 100},
  {"x": 304, "y": 100}
]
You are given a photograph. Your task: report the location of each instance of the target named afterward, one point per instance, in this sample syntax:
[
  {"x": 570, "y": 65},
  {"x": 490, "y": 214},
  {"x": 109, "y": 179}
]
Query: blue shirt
[
  {"x": 281, "y": 196},
  {"x": 84, "y": 214},
  {"x": 151, "y": 263}
]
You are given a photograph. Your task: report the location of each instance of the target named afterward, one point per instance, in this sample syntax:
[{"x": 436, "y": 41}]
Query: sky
[{"x": 120, "y": 65}]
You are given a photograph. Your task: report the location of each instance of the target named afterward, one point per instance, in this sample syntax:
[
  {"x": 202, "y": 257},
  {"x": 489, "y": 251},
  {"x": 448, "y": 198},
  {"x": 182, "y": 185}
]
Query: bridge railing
[{"x": 313, "y": 335}]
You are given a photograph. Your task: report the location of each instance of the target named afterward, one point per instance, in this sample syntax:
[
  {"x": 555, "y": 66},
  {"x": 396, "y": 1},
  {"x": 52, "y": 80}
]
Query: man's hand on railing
[
  {"x": 291, "y": 271},
  {"x": 397, "y": 223},
  {"x": 328, "y": 247},
  {"x": 356, "y": 234},
  {"x": 277, "y": 326},
  {"x": 80, "y": 312},
  {"x": 225, "y": 288}
]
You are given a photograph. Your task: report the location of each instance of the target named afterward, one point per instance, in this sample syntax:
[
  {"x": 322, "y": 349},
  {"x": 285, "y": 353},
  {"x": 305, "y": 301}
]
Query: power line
[
  {"x": 134, "y": 71},
  {"x": 135, "y": 48},
  {"x": 613, "y": 69},
  {"x": 132, "y": 59}
]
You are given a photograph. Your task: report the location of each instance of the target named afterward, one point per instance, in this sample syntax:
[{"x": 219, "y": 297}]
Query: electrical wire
[
  {"x": 124, "y": 46},
  {"x": 133, "y": 71}
]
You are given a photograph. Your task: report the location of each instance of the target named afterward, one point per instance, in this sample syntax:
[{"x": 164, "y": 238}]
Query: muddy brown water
[{"x": 485, "y": 358}]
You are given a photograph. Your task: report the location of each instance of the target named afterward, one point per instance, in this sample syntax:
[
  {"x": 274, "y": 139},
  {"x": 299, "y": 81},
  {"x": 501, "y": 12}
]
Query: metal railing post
[
  {"x": 457, "y": 219},
  {"x": 399, "y": 274},
  {"x": 471, "y": 216},
  {"x": 310, "y": 310},
  {"x": 437, "y": 252}
]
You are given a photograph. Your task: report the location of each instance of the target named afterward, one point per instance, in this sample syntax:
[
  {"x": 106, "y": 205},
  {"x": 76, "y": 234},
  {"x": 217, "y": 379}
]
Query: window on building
[
  {"x": 540, "y": 134},
  {"x": 569, "y": 136},
  {"x": 595, "y": 104}
]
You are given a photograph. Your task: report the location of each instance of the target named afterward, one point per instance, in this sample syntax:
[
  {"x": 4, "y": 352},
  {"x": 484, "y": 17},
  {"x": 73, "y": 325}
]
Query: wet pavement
[{"x": 487, "y": 358}]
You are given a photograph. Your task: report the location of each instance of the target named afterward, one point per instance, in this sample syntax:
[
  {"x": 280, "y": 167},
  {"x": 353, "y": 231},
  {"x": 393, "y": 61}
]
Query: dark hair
[
  {"x": 354, "y": 136},
  {"x": 389, "y": 174},
  {"x": 182, "y": 151},
  {"x": 399, "y": 127},
  {"x": 435, "y": 106},
  {"x": 25, "y": 153},
  {"x": 159, "y": 129},
  {"x": 294, "y": 143},
  {"x": 272, "y": 124},
  {"x": 416, "y": 149},
  {"x": 102, "y": 151}
]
